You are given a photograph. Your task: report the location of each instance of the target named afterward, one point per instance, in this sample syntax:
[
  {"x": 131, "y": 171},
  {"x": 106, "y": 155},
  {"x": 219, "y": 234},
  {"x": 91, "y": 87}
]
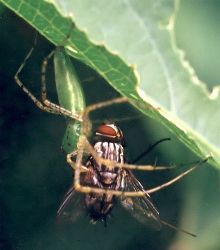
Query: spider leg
[
  {"x": 86, "y": 124},
  {"x": 36, "y": 101},
  {"x": 47, "y": 103},
  {"x": 81, "y": 146},
  {"x": 86, "y": 189},
  {"x": 44, "y": 104},
  {"x": 71, "y": 162},
  {"x": 83, "y": 142},
  {"x": 112, "y": 164},
  {"x": 180, "y": 176},
  {"x": 85, "y": 146}
]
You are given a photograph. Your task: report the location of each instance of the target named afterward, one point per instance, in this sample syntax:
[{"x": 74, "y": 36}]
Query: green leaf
[{"x": 131, "y": 44}]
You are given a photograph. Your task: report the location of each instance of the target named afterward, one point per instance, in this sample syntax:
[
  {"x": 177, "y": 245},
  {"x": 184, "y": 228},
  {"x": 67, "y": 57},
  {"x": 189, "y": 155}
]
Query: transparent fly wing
[
  {"x": 141, "y": 208},
  {"x": 72, "y": 206}
]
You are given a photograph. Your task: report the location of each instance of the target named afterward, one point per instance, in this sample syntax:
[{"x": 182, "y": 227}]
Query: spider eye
[{"x": 109, "y": 130}]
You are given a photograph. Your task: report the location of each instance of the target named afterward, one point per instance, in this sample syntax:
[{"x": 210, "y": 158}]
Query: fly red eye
[
  {"x": 109, "y": 130},
  {"x": 106, "y": 130}
]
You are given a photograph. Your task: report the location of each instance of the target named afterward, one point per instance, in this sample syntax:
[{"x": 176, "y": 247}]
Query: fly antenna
[{"x": 177, "y": 228}]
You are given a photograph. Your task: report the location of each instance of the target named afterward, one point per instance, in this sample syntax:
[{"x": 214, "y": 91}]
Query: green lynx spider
[{"x": 83, "y": 144}]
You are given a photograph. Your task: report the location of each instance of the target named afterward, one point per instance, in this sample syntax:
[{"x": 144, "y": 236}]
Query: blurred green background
[{"x": 34, "y": 175}]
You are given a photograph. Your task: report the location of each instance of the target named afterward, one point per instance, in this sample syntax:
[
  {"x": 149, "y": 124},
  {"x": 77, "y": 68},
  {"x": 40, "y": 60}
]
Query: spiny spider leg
[
  {"x": 45, "y": 104},
  {"x": 72, "y": 163},
  {"x": 86, "y": 125},
  {"x": 37, "y": 102},
  {"x": 113, "y": 164},
  {"x": 84, "y": 146},
  {"x": 58, "y": 109},
  {"x": 81, "y": 146},
  {"x": 87, "y": 189},
  {"x": 166, "y": 184}
]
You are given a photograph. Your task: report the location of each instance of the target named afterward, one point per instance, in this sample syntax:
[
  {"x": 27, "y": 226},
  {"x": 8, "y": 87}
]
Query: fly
[{"x": 109, "y": 145}]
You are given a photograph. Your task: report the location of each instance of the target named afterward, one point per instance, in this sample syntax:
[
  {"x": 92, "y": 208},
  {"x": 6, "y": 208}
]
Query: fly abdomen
[{"x": 99, "y": 206}]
